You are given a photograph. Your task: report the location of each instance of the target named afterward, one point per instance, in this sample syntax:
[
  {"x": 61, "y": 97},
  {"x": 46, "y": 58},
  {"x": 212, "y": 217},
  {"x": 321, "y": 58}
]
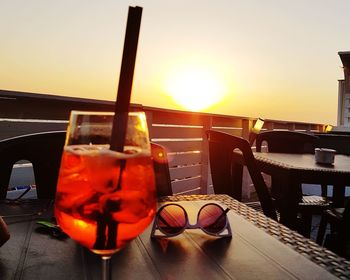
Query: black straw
[
  {"x": 125, "y": 80},
  {"x": 120, "y": 123}
]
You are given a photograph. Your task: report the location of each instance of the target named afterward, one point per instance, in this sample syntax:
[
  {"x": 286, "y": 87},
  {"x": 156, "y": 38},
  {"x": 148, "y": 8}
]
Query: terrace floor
[{"x": 315, "y": 219}]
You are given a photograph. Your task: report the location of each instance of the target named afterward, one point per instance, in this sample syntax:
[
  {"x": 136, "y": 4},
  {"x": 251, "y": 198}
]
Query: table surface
[
  {"x": 260, "y": 248},
  {"x": 305, "y": 162}
]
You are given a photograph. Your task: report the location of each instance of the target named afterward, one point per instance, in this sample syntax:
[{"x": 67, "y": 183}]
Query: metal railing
[{"x": 182, "y": 133}]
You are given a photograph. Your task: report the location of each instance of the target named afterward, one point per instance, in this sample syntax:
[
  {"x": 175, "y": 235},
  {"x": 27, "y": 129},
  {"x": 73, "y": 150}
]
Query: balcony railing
[{"x": 181, "y": 133}]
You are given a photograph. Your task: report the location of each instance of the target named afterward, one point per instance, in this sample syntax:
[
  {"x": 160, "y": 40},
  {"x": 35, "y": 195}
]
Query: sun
[{"x": 195, "y": 88}]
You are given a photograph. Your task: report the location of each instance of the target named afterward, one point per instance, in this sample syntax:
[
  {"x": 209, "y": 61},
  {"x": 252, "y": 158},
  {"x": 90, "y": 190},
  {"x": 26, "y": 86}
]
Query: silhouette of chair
[
  {"x": 227, "y": 176},
  {"x": 339, "y": 220},
  {"x": 44, "y": 151},
  {"x": 285, "y": 141},
  {"x": 296, "y": 143},
  {"x": 161, "y": 170}
]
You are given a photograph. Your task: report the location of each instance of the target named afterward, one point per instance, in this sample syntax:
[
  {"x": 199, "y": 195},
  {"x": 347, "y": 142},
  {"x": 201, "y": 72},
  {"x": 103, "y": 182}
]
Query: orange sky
[{"x": 273, "y": 59}]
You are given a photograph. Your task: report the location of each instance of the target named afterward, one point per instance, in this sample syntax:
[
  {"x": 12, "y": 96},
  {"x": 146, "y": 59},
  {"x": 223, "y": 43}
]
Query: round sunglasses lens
[
  {"x": 171, "y": 219},
  {"x": 212, "y": 218}
]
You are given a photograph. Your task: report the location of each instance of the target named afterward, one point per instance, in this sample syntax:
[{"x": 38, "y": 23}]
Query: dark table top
[
  {"x": 306, "y": 162},
  {"x": 259, "y": 249}
]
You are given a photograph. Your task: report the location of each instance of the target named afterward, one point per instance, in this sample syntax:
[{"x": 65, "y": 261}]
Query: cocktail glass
[{"x": 105, "y": 198}]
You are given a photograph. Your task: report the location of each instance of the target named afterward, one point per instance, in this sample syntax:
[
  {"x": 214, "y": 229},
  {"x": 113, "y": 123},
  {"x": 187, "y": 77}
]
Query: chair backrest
[
  {"x": 43, "y": 150},
  {"x": 161, "y": 169},
  {"x": 221, "y": 147},
  {"x": 284, "y": 141}
]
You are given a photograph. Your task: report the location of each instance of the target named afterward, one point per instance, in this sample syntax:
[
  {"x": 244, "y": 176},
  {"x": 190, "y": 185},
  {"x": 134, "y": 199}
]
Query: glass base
[{"x": 105, "y": 253}]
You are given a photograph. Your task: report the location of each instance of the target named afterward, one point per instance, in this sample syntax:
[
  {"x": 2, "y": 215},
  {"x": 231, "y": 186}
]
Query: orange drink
[{"x": 104, "y": 198}]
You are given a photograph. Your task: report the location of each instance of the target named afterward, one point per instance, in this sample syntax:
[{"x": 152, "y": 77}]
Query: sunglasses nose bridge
[{"x": 192, "y": 226}]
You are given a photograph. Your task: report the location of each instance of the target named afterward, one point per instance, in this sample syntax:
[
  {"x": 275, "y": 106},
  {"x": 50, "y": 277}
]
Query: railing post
[
  {"x": 204, "y": 184},
  {"x": 246, "y": 128},
  {"x": 291, "y": 126},
  {"x": 269, "y": 125},
  {"x": 149, "y": 118}
]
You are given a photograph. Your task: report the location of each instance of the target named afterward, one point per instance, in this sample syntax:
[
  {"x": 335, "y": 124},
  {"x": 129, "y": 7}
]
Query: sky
[{"x": 274, "y": 59}]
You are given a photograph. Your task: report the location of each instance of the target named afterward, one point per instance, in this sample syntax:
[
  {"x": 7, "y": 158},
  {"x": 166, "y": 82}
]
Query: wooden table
[
  {"x": 259, "y": 249},
  {"x": 289, "y": 171}
]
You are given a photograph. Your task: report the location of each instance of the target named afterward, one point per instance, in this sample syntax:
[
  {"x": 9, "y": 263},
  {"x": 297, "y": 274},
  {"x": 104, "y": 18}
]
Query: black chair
[
  {"x": 339, "y": 238},
  {"x": 44, "y": 151},
  {"x": 227, "y": 176},
  {"x": 296, "y": 143},
  {"x": 285, "y": 141},
  {"x": 161, "y": 170},
  {"x": 338, "y": 142}
]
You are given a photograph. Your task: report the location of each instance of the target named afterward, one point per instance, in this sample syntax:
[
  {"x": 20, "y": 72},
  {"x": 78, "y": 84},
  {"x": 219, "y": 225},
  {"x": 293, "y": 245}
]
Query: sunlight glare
[{"x": 195, "y": 88}]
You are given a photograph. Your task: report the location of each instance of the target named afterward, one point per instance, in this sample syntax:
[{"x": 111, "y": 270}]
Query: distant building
[{"x": 343, "y": 120}]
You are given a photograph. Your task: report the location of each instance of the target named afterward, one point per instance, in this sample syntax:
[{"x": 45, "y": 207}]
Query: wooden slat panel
[
  {"x": 225, "y": 121},
  {"x": 185, "y": 172},
  {"x": 299, "y": 126},
  {"x": 236, "y": 132},
  {"x": 184, "y": 159},
  {"x": 281, "y": 126},
  {"x": 181, "y": 146},
  {"x": 186, "y": 184},
  {"x": 176, "y": 132},
  {"x": 193, "y": 191},
  {"x": 170, "y": 117}
]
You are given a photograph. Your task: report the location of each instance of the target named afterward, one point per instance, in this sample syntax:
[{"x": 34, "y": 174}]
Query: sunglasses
[{"x": 172, "y": 219}]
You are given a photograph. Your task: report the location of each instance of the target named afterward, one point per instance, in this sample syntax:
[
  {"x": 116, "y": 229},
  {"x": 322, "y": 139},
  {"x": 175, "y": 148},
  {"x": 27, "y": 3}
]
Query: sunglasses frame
[{"x": 190, "y": 226}]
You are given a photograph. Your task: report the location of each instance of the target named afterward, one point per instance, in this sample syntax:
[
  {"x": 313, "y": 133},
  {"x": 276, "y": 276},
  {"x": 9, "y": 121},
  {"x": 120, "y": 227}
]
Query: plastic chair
[
  {"x": 226, "y": 174},
  {"x": 285, "y": 141},
  {"x": 296, "y": 143},
  {"x": 161, "y": 170},
  {"x": 339, "y": 219},
  {"x": 44, "y": 151},
  {"x": 338, "y": 142}
]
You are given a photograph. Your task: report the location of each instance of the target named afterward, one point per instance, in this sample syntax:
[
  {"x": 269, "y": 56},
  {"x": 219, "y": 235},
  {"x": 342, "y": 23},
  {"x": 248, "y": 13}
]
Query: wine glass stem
[{"x": 106, "y": 270}]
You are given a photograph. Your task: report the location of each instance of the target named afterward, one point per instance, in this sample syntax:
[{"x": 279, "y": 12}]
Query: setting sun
[{"x": 195, "y": 88}]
